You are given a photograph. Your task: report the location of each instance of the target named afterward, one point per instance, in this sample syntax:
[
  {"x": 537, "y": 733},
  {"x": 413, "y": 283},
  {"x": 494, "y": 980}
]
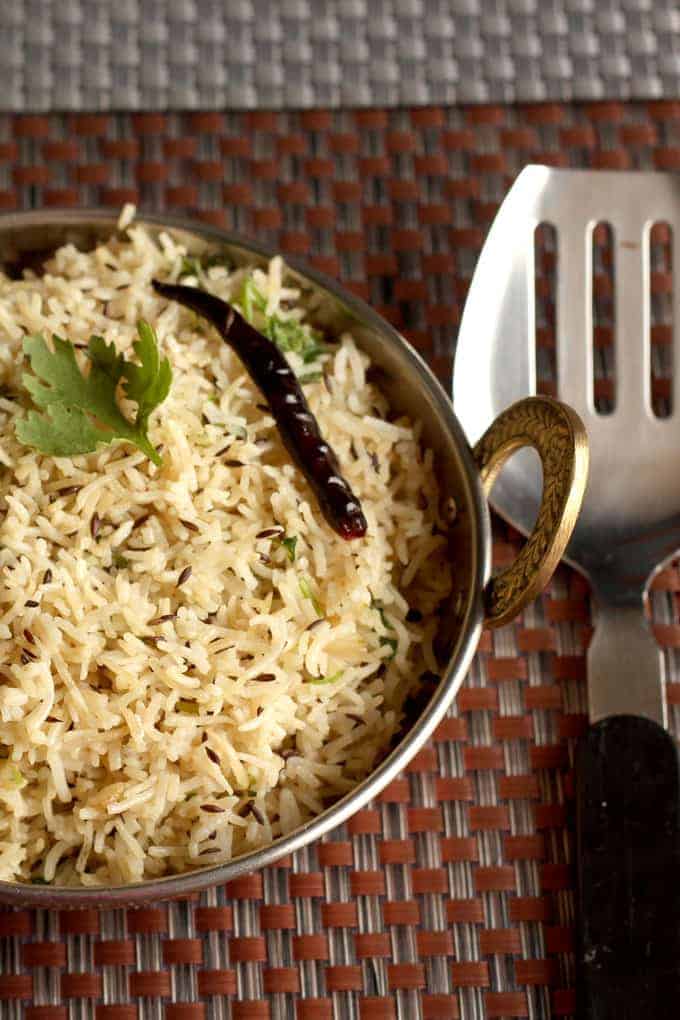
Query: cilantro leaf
[
  {"x": 82, "y": 410},
  {"x": 147, "y": 384}
]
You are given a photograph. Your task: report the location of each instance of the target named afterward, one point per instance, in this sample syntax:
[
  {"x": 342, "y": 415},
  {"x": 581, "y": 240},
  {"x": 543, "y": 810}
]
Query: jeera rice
[{"x": 191, "y": 662}]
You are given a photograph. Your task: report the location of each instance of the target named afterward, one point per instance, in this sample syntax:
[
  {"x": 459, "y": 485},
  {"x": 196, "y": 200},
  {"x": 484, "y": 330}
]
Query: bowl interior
[{"x": 26, "y": 239}]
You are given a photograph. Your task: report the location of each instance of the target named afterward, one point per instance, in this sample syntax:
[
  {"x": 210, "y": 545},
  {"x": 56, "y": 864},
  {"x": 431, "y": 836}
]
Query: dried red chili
[{"x": 298, "y": 428}]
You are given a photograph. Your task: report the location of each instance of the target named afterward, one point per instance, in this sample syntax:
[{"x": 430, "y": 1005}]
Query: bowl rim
[{"x": 177, "y": 886}]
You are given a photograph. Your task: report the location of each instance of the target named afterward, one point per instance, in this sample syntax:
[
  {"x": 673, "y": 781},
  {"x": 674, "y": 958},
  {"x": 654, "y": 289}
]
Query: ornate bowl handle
[{"x": 559, "y": 437}]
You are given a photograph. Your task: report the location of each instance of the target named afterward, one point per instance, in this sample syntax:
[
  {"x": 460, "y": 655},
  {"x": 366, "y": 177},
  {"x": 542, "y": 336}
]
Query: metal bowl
[{"x": 27, "y": 238}]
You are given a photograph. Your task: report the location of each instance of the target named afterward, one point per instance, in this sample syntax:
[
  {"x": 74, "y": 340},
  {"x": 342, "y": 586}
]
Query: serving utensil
[{"x": 628, "y": 785}]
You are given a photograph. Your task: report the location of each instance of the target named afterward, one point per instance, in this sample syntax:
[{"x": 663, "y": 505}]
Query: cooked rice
[{"x": 158, "y": 710}]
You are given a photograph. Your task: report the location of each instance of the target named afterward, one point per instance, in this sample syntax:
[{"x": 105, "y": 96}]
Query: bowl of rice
[{"x": 198, "y": 674}]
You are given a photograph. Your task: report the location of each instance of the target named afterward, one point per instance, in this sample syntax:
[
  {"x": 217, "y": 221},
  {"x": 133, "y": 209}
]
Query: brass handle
[{"x": 559, "y": 437}]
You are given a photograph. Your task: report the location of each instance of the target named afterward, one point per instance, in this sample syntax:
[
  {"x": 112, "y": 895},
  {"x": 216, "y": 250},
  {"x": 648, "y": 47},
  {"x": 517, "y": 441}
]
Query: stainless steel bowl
[{"x": 27, "y": 238}]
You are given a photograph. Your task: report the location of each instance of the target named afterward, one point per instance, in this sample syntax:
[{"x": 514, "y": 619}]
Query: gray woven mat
[{"x": 191, "y": 54}]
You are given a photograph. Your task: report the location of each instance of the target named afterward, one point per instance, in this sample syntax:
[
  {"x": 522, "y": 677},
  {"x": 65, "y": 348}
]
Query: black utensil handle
[{"x": 628, "y": 872}]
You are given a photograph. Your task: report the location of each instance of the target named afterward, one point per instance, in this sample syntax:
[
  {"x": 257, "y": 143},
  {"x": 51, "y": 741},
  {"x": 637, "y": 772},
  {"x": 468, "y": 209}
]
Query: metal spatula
[{"x": 628, "y": 824}]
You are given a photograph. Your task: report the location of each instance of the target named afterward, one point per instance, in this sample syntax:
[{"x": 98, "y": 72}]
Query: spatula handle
[{"x": 628, "y": 864}]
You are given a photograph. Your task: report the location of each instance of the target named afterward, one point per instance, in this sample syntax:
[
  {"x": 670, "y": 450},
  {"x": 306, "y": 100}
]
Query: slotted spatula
[{"x": 627, "y": 788}]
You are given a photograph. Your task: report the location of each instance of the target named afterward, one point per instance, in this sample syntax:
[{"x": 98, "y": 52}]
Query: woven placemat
[
  {"x": 450, "y": 896},
  {"x": 245, "y": 54}
]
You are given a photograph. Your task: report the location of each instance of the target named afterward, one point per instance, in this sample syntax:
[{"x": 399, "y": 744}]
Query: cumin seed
[
  {"x": 95, "y": 525},
  {"x": 29, "y": 636},
  {"x": 27, "y": 656},
  {"x": 163, "y": 619},
  {"x": 264, "y": 678},
  {"x": 189, "y": 525},
  {"x": 183, "y": 577},
  {"x": 254, "y": 810},
  {"x": 70, "y": 490},
  {"x": 31, "y": 603},
  {"x": 213, "y": 755},
  {"x": 268, "y": 532},
  {"x": 140, "y": 521},
  {"x": 212, "y": 809},
  {"x": 234, "y": 463},
  {"x": 315, "y": 623},
  {"x": 47, "y": 576}
]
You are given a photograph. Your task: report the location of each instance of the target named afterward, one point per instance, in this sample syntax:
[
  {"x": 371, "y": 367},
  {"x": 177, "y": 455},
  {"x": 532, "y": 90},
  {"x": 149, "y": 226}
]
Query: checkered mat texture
[
  {"x": 244, "y": 54},
  {"x": 451, "y": 895}
]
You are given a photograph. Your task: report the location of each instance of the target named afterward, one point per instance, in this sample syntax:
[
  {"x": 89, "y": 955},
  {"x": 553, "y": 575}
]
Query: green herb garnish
[
  {"x": 313, "y": 352},
  {"x": 81, "y": 411},
  {"x": 118, "y": 560},
  {"x": 392, "y": 642},
  {"x": 289, "y": 543},
  {"x": 310, "y": 377},
  {"x": 384, "y": 639},
  {"x": 324, "y": 679},
  {"x": 307, "y": 593},
  {"x": 287, "y": 334},
  {"x": 193, "y": 265},
  {"x": 251, "y": 299}
]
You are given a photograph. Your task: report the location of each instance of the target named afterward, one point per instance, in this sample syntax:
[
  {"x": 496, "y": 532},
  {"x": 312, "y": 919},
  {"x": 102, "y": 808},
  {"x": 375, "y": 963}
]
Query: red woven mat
[{"x": 451, "y": 896}]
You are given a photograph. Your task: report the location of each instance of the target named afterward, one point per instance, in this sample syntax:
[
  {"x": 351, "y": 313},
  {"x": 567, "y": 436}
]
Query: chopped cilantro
[
  {"x": 313, "y": 352},
  {"x": 287, "y": 334},
  {"x": 384, "y": 639},
  {"x": 251, "y": 299},
  {"x": 289, "y": 543},
  {"x": 392, "y": 642},
  {"x": 324, "y": 679},
  {"x": 191, "y": 266},
  {"x": 307, "y": 593},
  {"x": 194, "y": 265}
]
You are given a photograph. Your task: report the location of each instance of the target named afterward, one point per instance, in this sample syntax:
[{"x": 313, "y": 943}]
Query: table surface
[
  {"x": 200, "y": 54},
  {"x": 451, "y": 896}
]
